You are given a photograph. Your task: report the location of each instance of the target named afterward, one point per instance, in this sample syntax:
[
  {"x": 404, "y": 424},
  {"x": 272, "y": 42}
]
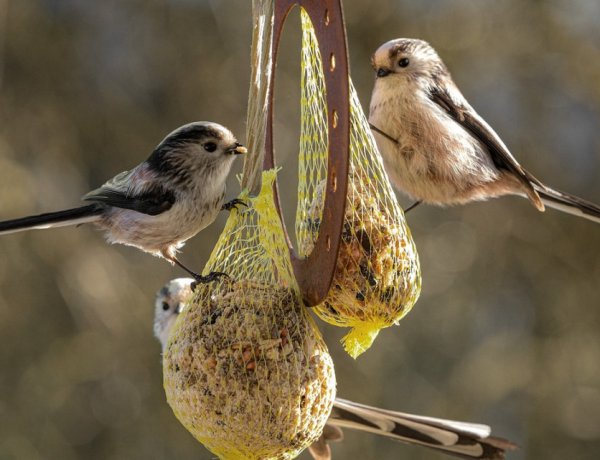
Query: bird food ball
[
  {"x": 376, "y": 280},
  {"x": 247, "y": 373}
]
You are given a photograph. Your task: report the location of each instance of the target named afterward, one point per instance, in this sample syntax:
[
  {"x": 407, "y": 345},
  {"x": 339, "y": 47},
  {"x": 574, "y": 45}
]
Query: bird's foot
[
  {"x": 200, "y": 279},
  {"x": 233, "y": 204}
]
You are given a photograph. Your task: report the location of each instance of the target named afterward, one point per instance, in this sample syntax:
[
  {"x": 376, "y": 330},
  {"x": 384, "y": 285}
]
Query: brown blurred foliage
[{"x": 507, "y": 330}]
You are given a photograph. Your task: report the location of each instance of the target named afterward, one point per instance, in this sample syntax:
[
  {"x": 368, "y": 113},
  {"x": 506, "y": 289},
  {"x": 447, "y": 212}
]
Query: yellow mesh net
[
  {"x": 245, "y": 369},
  {"x": 312, "y": 159},
  {"x": 377, "y": 278}
]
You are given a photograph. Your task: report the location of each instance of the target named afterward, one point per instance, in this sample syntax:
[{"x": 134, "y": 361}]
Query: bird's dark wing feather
[
  {"x": 469, "y": 120},
  {"x": 153, "y": 201}
]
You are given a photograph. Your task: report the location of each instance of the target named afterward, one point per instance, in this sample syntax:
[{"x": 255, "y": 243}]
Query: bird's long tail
[
  {"x": 460, "y": 439},
  {"x": 570, "y": 204},
  {"x": 73, "y": 216}
]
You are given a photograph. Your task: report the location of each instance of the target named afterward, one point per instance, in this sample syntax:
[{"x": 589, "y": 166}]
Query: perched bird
[
  {"x": 461, "y": 439},
  {"x": 165, "y": 200},
  {"x": 435, "y": 146}
]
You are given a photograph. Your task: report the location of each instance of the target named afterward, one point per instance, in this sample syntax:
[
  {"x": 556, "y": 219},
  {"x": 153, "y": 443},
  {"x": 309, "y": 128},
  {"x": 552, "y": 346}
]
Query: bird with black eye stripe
[{"x": 162, "y": 202}]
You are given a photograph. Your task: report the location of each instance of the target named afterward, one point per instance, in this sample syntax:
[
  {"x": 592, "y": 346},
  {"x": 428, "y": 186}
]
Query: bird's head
[
  {"x": 171, "y": 300},
  {"x": 196, "y": 146},
  {"x": 407, "y": 60}
]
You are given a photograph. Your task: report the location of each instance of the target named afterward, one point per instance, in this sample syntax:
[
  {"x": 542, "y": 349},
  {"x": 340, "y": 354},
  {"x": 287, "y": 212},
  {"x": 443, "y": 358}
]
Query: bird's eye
[
  {"x": 404, "y": 62},
  {"x": 165, "y": 306},
  {"x": 210, "y": 146}
]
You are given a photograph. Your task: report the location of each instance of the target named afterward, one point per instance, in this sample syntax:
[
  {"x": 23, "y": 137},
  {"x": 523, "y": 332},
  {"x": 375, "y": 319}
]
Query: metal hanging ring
[{"x": 315, "y": 272}]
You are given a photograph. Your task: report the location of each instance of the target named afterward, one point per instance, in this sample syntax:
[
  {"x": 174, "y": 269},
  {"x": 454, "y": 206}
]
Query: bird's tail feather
[
  {"x": 460, "y": 439},
  {"x": 73, "y": 216},
  {"x": 570, "y": 204}
]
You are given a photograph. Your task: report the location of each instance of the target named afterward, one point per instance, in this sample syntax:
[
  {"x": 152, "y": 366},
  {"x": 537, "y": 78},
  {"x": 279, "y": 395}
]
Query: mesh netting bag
[
  {"x": 245, "y": 369},
  {"x": 377, "y": 278}
]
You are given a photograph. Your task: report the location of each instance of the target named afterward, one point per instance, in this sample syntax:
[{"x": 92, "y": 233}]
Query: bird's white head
[
  {"x": 171, "y": 300},
  {"x": 407, "y": 60},
  {"x": 201, "y": 146}
]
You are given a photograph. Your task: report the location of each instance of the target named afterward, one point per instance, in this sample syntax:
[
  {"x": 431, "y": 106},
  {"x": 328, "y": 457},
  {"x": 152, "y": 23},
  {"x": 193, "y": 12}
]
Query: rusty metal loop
[{"x": 315, "y": 272}]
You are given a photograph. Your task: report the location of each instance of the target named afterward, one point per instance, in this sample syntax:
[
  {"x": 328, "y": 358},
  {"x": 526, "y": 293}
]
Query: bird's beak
[
  {"x": 237, "y": 149},
  {"x": 382, "y": 72}
]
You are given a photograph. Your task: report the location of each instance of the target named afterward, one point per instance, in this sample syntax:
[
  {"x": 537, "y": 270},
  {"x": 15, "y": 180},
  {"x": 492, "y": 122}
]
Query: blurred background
[{"x": 507, "y": 330}]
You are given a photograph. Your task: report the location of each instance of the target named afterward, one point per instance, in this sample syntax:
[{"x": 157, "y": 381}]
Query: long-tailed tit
[
  {"x": 461, "y": 439},
  {"x": 435, "y": 146},
  {"x": 158, "y": 205}
]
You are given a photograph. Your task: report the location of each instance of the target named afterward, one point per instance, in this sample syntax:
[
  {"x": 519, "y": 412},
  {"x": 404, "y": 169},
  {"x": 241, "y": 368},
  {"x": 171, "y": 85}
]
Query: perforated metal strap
[{"x": 315, "y": 272}]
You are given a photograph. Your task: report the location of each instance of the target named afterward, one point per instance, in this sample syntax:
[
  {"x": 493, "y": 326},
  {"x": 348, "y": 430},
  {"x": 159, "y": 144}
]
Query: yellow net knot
[{"x": 361, "y": 337}]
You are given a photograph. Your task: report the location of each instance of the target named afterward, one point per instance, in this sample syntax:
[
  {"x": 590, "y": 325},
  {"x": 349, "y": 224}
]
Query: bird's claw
[
  {"x": 212, "y": 276},
  {"x": 233, "y": 204}
]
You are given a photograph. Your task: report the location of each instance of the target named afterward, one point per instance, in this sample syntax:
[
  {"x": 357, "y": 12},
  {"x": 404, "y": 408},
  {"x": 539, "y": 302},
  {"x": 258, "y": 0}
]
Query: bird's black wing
[
  {"x": 469, "y": 120},
  {"x": 147, "y": 197},
  {"x": 153, "y": 200}
]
